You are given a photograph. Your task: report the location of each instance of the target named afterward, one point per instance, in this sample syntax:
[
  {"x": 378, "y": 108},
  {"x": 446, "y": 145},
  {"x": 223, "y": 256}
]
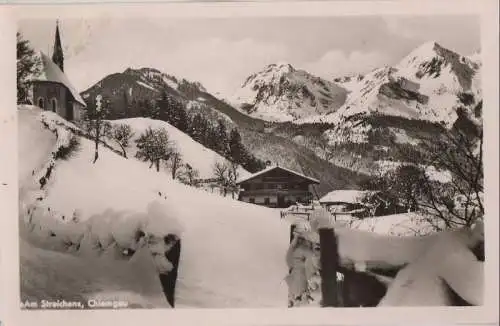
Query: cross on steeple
[{"x": 57, "y": 54}]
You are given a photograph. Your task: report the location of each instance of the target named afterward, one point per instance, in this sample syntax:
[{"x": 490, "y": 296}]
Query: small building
[
  {"x": 276, "y": 187},
  {"x": 357, "y": 203},
  {"x": 52, "y": 89}
]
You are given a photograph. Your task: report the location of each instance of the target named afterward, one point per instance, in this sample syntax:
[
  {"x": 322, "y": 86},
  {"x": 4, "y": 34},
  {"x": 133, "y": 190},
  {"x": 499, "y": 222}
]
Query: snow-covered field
[{"x": 232, "y": 253}]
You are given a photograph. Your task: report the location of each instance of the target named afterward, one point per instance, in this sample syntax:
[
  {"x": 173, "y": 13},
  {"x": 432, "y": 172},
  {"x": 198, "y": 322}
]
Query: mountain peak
[
  {"x": 280, "y": 67},
  {"x": 280, "y": 92},
  {"x": 427, "y": 49}
]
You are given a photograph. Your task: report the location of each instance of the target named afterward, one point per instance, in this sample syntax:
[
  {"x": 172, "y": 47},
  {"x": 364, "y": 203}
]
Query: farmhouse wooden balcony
[{"x": 284, "y": 192}]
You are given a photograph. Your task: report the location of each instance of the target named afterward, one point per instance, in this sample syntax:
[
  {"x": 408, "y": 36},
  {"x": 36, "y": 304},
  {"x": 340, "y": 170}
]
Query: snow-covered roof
[
  {"x": 268, "y": 169},
  {"x": 346, "y": 196},
  {"x": 52, "y": 73}
]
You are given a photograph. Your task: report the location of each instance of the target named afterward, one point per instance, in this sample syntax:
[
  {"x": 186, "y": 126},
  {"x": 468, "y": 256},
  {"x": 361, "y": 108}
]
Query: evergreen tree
[
  {"x": 145, "y": 108},
  {"x": 203, "y": 130},
  {"x": 222, "y": 145},
  {"x": 126, "y": 109},
  {"x": 237, "y": 151},
  {"x": 134, "y": 108},
  {"x": 181, "y": 117},
  {"x": 196, "y": 128},
  {"x": 164, "y": 106},
  {"x": 212, "y": 139},
  {"x": 27, "y": 65}
]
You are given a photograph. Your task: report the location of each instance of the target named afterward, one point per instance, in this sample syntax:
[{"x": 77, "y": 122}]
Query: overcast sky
[{"x": 222, "y": 52}]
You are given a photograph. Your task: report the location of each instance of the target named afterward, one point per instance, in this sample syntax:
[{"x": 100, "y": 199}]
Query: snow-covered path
[{"x": 232, "y": 256}]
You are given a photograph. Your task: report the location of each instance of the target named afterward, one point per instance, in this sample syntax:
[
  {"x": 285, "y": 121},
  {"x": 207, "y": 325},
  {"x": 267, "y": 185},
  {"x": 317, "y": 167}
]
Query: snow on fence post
[{"x": 329, "y": 266}]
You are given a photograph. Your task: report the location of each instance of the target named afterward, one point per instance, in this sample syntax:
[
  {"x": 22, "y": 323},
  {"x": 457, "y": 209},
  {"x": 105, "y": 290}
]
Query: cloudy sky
[{"x": 222, "y": 52}]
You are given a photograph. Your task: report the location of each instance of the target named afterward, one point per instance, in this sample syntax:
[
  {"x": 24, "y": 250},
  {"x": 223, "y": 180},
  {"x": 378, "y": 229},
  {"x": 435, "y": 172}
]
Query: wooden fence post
[
  {"x": 329, "y": 267},
  {"x": 292, "y": 229},
  {"x": 169, "y": 280}
]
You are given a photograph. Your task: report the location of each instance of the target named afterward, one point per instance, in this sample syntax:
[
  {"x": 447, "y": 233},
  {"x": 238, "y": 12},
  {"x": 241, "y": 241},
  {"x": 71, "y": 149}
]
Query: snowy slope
[
  {"x": 232, "y": 253},
  {"x": 193, "y": 153},
  {"x": 281, "y": 93},
  {"x": 36, "y": 155}
]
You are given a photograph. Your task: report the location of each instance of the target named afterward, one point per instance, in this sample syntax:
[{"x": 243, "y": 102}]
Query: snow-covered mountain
[
  {"x": 282, "y": 93},
  {"x": 428, "y": 84},
  {"x": 133, "y": 86},
  {"x": 392, "y": 107}
]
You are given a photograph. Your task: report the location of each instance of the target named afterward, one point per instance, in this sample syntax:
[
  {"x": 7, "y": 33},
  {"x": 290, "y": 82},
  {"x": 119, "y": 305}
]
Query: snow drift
[
  {"x": 232, "y": 252},
  {"x": 429, "y": 265}
]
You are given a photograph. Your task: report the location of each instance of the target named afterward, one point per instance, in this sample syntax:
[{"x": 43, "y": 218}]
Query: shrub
[{"x": 68, "y": 151}]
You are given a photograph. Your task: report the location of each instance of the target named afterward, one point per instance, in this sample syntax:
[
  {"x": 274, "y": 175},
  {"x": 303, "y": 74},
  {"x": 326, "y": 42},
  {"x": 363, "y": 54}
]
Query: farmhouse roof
[
  {"x": 52, "y": 73},
  {"x": 346, "y": 196},
  {"x": 266, "y": 170}
]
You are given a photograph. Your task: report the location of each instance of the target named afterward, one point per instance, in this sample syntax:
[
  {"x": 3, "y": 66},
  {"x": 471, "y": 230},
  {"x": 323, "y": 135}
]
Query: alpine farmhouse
[{"x": 276, "y": 187}]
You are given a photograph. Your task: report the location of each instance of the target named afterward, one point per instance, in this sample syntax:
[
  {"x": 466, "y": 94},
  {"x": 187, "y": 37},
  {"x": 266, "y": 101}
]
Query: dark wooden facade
[{"x": 276, "y": 187}]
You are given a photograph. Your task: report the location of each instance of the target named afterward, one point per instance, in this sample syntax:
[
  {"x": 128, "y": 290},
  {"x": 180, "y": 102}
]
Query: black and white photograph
[{"x": 288, "y": 162}]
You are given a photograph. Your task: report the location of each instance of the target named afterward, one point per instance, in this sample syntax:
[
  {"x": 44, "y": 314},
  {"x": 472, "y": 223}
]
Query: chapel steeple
[{"x": 57, "y": 54}]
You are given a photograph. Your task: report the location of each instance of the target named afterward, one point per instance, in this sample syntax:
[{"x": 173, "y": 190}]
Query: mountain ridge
[
  {"x": 280, "y": 92},
  {"x": 425, "y": 84}
]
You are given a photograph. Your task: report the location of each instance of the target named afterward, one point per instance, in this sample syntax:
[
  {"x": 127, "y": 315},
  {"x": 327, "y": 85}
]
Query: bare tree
[
  {"x": 97, "y": 128},
  {"x": 460, "y": 201},
  {"x": 122, "y": 134},
  {"x": 457, "y": 202},
  {"x": 232, "y": 177},
  {"x": 189, "y": 175},
  {"x": 220, "y": 173},
  {"x": 175, "y": 163},
  {"x": 227, "y": 174},
  {"x": 154, "y": 147}
]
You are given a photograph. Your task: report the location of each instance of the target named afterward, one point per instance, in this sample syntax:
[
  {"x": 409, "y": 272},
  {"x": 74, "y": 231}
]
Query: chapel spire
[{"x": 57, "y": 54}]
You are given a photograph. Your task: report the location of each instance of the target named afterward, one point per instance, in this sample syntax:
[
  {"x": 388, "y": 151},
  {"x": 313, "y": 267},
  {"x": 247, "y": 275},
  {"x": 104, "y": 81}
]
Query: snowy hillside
[
  {"x": 425, "y": 85},
  {"x": 95, "y": 211},
  {"x": 281, "y": 93},
  {"x": 193, "y": 153}
]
